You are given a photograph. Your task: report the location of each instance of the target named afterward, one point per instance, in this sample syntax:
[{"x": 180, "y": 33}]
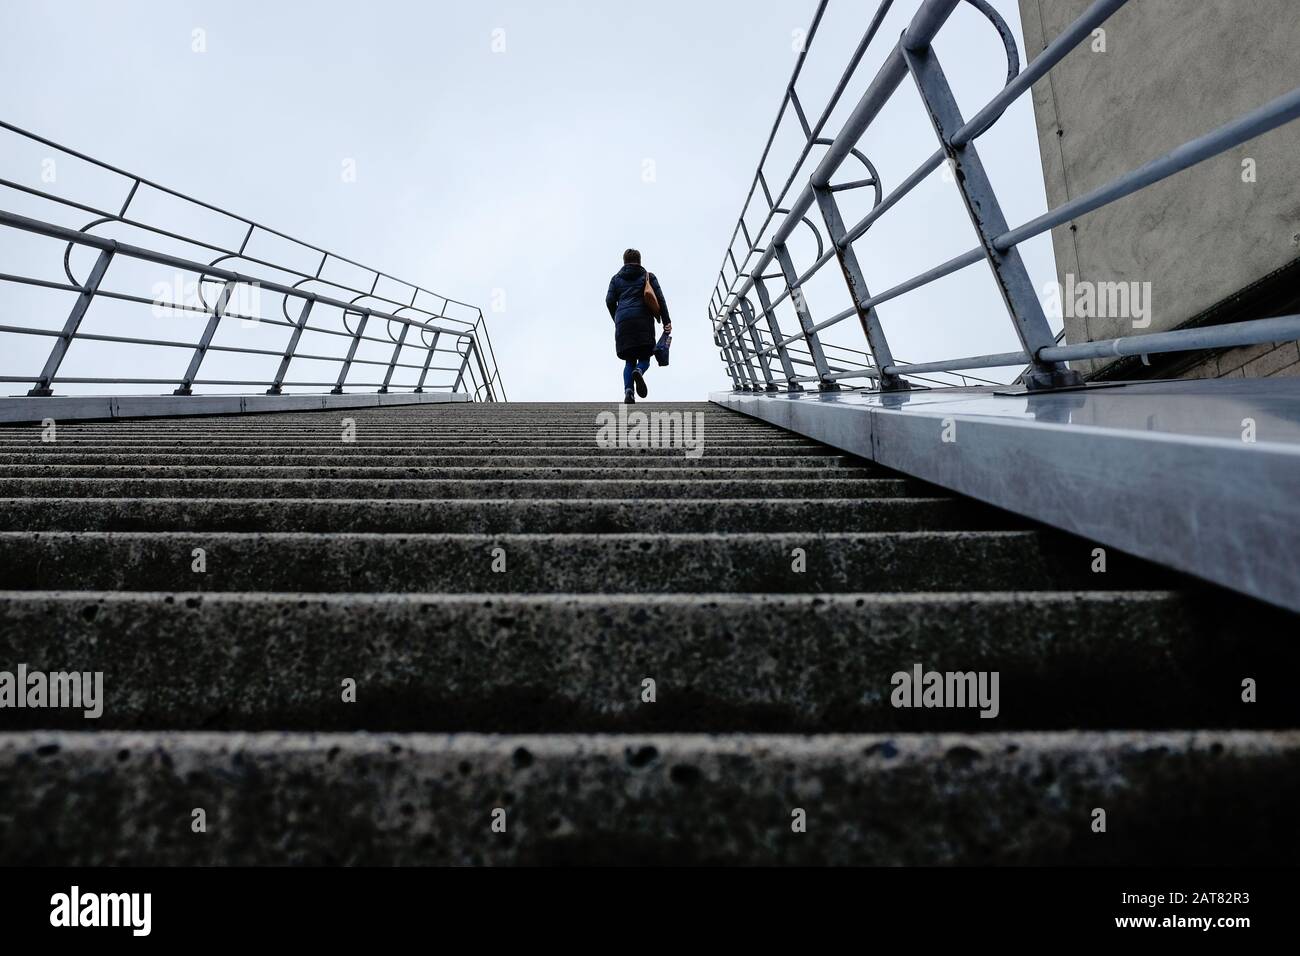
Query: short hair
[{"x": 631, "y": 255}]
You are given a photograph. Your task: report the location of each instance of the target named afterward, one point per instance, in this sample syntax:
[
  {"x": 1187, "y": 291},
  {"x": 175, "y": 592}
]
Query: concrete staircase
[{"x": 500, "y": 589}]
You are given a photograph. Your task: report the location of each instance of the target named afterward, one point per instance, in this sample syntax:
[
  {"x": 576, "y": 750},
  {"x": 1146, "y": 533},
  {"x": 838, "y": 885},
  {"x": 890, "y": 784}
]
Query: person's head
[{"x": 631, "y": 257}]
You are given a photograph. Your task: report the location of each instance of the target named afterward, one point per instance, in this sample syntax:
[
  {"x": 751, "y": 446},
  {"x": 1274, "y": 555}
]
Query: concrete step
[
  {"x": 343, "y": 455},
  {"x": 331, "y": 433},
  {"x": 382, "y": 418},
  {"x": 242, "y": 428},
  {"x": 449, "y": 413},
  {"x": 382, "y": 447},
  {"x": 215, "y": 470},
  {"x": 85, "y": 799},
  {"x": 496, "y": 516},
  {"x": 720, "y": 662},
  {"x": 332, "y": 429},
  {"x": 487, "y": 413},
  {"x": 771, "y": 588},
  {"x": 273, "y": 423},
  {"x": 554, "y": 563},
  {"x": 280, "y": 488},
  {"x": 585, "y": 431}
]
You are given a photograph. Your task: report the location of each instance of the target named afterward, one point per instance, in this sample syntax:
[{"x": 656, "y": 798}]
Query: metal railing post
[
  {"x": 738, "y": 345},
  {"x": 352, "y": 351},
  {"x": 277, "y": 386},
  {"x": 747, "y": 312},
  {"x": 428, "y": 359},
  {"x": 392, "y": 364},
  {"x": 191, "y": 373},
  {"x": 44, "y": 386},
  {"x": 284, "y": 273},
  {"x": 825, "y": 384},
  {"x": 724, "y": 350},
  {"x": 464, "y": 363},
  {"x": 724, "y": 338},
  {"x": 774, "y": 327},
  {"x": 981, "y": 201},
  {"x": 489, "y": 358},
  {"x": 857, "y": 285},
  {"x": 483, "y": 373}
]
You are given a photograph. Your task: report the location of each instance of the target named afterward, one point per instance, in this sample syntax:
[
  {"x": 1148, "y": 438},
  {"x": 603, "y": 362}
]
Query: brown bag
[{"x": 651, "y": 300}]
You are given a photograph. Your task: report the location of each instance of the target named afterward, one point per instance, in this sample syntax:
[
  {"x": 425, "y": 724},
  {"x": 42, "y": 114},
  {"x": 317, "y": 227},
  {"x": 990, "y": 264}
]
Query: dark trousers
[{"x": 631, "y": 364}]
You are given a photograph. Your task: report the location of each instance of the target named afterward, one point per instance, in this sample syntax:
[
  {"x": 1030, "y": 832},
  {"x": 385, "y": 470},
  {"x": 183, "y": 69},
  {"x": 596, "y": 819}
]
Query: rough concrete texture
[
  {"x": 770, "y": 586},
  {"x": 271, "y": 455},
  {"x": 720, "y": 662},
  {"x": 644, "y": 563},
  {"x": 335, "y": 448},
  {"x": 389, "y": 488},
  {"x": 1171, "y": 71},
  {"x": 114, "y": 799},
  {"x": 523, "y": 477},
  {"x": 525, "y": 516}
]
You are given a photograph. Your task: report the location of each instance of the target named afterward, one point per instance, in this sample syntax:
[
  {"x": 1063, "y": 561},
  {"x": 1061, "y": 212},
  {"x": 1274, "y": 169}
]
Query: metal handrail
[
  {"x": 859, "y": 362},
  {"x": 463, "y": 337},
  {"x": 735, "y": 318}
]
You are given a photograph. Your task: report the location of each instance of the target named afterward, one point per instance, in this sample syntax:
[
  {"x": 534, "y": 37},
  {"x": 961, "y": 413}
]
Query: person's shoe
[
  {"x": 639, "y": 381},
  {"x": 628, "y": 398}
]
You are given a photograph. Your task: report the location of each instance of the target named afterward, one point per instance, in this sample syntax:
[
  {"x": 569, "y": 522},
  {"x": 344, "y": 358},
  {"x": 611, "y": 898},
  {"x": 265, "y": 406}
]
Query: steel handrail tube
[
  {"x": 953, "y": 365},
  {"x": 106, "y": 217},
  {"x": 164, "y": 259},
  {"x": 927, "y": 21},
  {"x": 912, "y": 55},
  {"x": 138, "y": 181},
  {"x": 383, "y": 303},
  {"x": 1254, "y": 332}
]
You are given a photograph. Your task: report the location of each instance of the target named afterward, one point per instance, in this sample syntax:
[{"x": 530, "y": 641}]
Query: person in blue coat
[{"x": 634, "y": 325}]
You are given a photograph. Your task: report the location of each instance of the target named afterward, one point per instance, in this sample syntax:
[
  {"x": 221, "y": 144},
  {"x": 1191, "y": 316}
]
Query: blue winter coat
[{"x": 634, "y": 326}]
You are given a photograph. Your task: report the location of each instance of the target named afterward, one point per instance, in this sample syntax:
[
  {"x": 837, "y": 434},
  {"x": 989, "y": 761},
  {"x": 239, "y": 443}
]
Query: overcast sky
[{"x": 506, "y": 153}]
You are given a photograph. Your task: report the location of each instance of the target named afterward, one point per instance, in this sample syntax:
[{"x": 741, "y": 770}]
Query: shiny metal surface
[{"x": 1203, "y": 476}]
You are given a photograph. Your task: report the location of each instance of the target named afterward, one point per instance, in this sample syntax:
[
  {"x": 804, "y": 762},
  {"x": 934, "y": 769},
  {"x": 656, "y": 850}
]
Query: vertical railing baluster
[
  {"x": 352, "y": 351},
  {"x": 729, "y": 339},
  {"x": 857, "y": 284},
  {"x": 397, "y": 351},
  {"x": 747, "y": 314},
  {"x": 742, "y": 352},
  {"x": 45, "y": 384},
  {"x": 277, "y": 386},
  {"x": 191, "y": 373},
  {"x": 483, "y": 372},
  {"x": 464, "y": 363},
  {"x": 799, "y": 114},
  {"x": 981, "y": 201},
  {"x": 774, "y": 327},
  {"x": 724, "y": 351},
  {"x": 428, "y": 359},
  {"x": 135, "y": 184},
  {"x": 825, "y": 383}
]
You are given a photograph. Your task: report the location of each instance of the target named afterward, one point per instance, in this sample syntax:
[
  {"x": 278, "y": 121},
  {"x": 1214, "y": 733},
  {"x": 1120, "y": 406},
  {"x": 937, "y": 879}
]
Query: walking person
[{"x": 634, "y": 301}]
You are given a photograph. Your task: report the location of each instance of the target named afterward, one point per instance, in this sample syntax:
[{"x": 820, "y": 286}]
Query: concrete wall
[{"x": 1213, "y": 247}]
